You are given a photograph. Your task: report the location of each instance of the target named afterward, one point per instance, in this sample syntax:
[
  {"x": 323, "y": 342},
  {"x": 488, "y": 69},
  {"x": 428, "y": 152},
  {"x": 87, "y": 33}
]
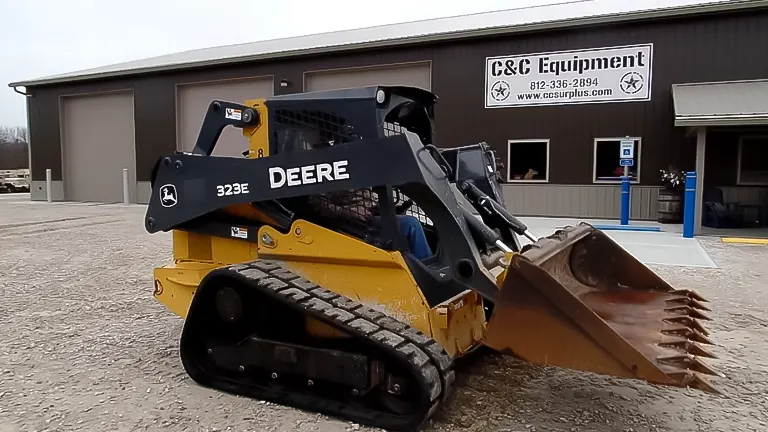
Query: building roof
[
  {"x": 725, "y": 103},
  {"x": 558, "y": 15}
]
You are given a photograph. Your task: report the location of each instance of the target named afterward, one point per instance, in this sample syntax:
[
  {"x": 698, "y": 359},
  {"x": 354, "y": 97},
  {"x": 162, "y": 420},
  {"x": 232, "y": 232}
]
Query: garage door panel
[
  {"x": 193, "y": 101},
  {"x": 409, "y": 75},
  {"x": 98, "y": 142}
]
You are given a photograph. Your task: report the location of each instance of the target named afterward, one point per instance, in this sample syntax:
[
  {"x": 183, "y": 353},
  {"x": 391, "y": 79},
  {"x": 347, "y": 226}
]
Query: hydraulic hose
[{"x": 491, "y": 206}]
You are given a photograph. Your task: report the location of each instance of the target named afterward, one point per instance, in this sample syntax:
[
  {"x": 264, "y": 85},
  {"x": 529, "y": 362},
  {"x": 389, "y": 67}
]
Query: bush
[{"x": 673, "y": 179}]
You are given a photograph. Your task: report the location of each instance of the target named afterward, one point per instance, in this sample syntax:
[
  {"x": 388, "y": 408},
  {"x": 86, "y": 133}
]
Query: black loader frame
[{"x": 189, "y": 190}]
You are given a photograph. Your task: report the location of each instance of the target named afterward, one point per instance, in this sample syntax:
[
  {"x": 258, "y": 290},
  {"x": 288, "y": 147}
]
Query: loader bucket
[{"x": 578, "y": 300}]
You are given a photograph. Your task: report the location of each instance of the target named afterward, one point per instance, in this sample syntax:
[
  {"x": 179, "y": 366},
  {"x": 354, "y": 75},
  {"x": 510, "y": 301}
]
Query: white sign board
[
  {"x": 627, "y": 149},
  {"x": 614, "y": 74}
]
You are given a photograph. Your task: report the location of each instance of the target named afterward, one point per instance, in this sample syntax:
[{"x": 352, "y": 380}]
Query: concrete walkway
[{"x": 662, "y": 248}]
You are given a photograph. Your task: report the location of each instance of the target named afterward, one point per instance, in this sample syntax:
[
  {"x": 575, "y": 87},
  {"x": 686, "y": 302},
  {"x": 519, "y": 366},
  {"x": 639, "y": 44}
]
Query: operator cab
[
  {"x": 321, "y": 119},
  {"x": 304, "y": 121}
]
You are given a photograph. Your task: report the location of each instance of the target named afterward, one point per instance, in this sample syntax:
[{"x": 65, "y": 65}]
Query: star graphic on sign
[
  {"x": 631, "y": 83},
  {"x": 500, "y": 91}
]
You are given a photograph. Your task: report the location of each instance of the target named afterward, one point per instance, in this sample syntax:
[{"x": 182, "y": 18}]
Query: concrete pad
[
  {"x": 619, "y": 227},
  {"x": 660, "y": 248},
  {"x": 20, "y": 196}
]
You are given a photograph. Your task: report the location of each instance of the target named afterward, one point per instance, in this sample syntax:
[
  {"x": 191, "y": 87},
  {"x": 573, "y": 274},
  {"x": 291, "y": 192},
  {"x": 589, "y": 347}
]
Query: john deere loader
[{"x": 298, "y": 283}]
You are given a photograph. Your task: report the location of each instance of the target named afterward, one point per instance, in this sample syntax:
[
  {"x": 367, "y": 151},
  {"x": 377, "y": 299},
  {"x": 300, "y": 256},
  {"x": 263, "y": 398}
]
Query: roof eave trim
[
  {"x": 716, "y": 83},
  {"x": 436, "y": 37},
  {"x": 723, "y": 120}
]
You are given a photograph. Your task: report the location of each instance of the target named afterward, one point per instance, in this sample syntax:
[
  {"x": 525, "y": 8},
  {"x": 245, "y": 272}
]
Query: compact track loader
[{"x": 298, "y": 286}]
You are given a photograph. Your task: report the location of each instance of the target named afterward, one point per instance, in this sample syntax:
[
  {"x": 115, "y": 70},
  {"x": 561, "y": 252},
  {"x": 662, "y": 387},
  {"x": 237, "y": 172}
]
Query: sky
[{"x": 47, "y": 37}]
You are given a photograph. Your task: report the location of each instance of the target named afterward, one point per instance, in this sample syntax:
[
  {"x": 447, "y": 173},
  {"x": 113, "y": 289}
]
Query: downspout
[{"x": 16, "y": 89}]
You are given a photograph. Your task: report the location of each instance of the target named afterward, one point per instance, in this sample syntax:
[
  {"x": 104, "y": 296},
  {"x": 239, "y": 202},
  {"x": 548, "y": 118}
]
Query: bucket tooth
[
  {"x": 685, "y": 301},
  {"x": 689, "y": 294},
  {"x": 689, "y": 362},
  {"x": 688, "y": 311},
  {"x": 693, "y": 380},
  {"x": 688, "y": 322},
  {"x": 687, "y": 333},
  {"x": 689, "y": 347}
]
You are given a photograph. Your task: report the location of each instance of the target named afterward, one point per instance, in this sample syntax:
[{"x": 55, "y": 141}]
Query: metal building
[{"x": 554, "y": 89}]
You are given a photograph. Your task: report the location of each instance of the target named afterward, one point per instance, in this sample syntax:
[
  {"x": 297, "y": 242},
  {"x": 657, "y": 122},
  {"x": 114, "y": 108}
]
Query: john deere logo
[{"x": 168, "y": 196}]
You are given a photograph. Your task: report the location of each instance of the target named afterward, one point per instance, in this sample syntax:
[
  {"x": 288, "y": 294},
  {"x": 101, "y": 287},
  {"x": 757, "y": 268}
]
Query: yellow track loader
[{"x": 345, "y": 261}]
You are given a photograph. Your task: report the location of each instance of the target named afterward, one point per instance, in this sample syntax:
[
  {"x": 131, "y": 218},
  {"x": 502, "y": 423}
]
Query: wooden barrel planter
[{"x": 670, "y": 206}]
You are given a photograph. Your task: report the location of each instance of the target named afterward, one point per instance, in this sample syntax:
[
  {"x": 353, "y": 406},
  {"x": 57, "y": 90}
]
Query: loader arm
[
  {"x": 475, "y": 165},
  {"x": 219, "y": 115}
]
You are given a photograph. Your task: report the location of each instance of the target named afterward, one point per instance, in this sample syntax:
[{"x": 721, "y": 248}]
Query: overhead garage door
[
  {"x": 192, "y": 103},
  {"x": 97, "y": 143},
  {"x": 416, "y": 74}
]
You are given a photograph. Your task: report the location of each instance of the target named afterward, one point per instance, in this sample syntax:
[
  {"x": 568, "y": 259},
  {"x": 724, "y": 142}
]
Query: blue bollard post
[
  {"x": 689, "y": 205},
  {"x": 625, "y": 200}
]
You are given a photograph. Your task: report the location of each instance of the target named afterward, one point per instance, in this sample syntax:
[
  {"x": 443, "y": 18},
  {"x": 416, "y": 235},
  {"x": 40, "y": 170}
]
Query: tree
[
  {"x": 22, "y": 134},
  {"x": 10, "y": 134},
  {"x": 14, "y": 147},
  {"x": 5, "y": 135}
]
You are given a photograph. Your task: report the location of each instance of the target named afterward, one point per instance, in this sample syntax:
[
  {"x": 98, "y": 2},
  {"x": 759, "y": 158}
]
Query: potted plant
[{"x": 670, "y": 201}]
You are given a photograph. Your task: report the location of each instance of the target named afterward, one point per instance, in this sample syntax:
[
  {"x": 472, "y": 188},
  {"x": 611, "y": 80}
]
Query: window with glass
[
  {"x": 607, "y": 167},
  {"x": 528, "y": 160},
  {"x": 753, "y": 160}
]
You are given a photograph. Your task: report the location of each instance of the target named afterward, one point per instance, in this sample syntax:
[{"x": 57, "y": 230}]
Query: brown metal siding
[
  {"x": 700, "y": 49},
  {"x": 714, "y": 48},
  {"x": 45, "y": 126},
  {"x": 14, "y": 156},
  {"x": 412, "y": 74},
  {"x": 591, "y": 201}
]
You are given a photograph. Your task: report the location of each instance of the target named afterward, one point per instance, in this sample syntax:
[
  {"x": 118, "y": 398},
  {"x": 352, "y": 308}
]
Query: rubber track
[{"x": 389, "y": 334}]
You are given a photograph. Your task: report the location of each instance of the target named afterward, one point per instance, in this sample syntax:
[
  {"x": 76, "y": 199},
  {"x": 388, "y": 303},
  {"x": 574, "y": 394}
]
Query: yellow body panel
[
  {"x": 459, "y": 323},
  {"x": 175, "y": 285},
  {"x": 350, "y": 267},
  {"x": 340, "y": 263},
  {"x": 258, "y": 136},
  {"x": 194, "y": 256}
]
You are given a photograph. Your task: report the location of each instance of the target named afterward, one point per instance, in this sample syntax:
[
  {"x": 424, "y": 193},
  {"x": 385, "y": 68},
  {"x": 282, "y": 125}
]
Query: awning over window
[{"x": 727, "y": 103}]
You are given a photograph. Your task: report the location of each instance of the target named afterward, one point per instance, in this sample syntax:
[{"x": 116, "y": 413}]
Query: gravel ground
[{"x": 83, "y": 346}]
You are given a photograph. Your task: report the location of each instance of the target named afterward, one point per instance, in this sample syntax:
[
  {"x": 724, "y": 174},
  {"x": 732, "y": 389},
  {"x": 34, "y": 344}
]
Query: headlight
[{"x": 381, "y": 96}]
